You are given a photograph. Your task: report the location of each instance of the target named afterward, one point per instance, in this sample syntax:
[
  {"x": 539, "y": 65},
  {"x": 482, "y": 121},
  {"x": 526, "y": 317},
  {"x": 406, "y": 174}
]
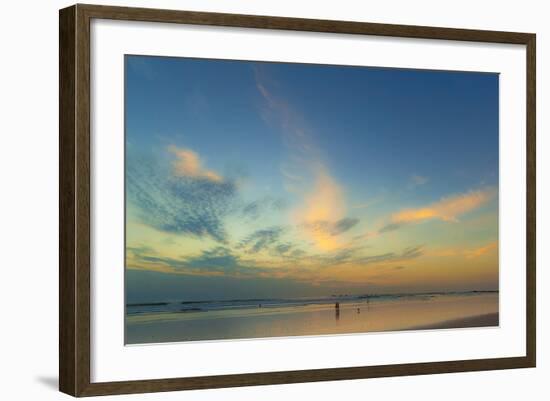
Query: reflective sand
[{"x": 435, "y": 312}]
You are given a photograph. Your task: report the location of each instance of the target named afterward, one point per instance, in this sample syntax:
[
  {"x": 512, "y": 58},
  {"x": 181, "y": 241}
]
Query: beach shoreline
[{"x": 439, "y": 312}]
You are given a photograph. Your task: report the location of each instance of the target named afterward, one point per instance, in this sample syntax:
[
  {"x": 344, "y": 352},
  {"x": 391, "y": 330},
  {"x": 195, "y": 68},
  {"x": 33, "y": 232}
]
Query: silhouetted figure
[{"x": 337, "y": 310}]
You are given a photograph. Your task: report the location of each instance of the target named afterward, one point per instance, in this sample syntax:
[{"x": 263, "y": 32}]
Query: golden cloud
[
  {"x": 323, "y": 203},
  {"x": 477, "y": 252},
  {"x": 189, "y": 164},
  {"x": 447, "y": 209}
]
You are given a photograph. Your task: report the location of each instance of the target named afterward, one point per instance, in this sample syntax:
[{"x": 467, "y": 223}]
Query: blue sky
[{"x": 242, "y": 163}]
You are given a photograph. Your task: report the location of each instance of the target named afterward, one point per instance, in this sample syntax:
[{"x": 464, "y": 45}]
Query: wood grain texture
[
  {"x": 74, "y": 199},
  {"x": 67, "y": 131},
  {"x": 300, "y": 376},
  {"x": 300, "y": 24},
  {"x": 82, "y": 193}
]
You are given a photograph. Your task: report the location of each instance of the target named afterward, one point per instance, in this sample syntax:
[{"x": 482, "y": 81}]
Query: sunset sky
[{"x": 259, "y": 180}]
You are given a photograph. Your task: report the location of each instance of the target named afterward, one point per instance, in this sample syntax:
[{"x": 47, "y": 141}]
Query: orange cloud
[
  {"x": 447, "y": 209},
  {"x": 323, "y": 203},
  {"x": 189, "y": 164},
  {"x": 476, "y": 252}
]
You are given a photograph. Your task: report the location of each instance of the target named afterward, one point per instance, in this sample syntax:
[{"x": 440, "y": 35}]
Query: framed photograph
[{"x": 250, "y": 200}]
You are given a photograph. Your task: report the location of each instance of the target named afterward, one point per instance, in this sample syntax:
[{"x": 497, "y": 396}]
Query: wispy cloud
[
  {"x": 170, "y": 201},
  {"x": 253, "y": 210},
  {"x": 356, "y": 257},
  {"x": 333, "y": 228},
  {"x": 261, "y": 239},
  {"x": 324, "y": 200},
  {"x": 482, "y": 250},
  {"x": 406, "y": 254},
  {"x": 288, "y": 250},
  {"x": 295, "y": 264},
  {"x": 219, "y": 259},
  {"x": 447, "y": 209},
  {"x": 216, "y": 261},
  {"x": 390, "y": 227},
  {"x": 283, "y": 249}
]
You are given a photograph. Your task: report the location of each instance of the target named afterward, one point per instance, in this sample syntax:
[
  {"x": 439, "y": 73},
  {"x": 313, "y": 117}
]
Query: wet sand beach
[
  {"x": 431, "y": 312},
  {"x": 487, "y": 320}
]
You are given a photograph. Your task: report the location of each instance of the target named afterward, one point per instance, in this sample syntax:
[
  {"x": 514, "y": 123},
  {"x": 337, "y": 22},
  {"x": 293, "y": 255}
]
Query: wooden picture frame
[{"x": 74, "y": 203}]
